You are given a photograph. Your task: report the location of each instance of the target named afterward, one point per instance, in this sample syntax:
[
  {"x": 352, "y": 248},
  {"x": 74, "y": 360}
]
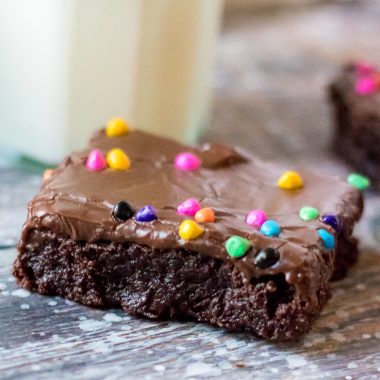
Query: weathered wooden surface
[{"x": 270, "y": 99}]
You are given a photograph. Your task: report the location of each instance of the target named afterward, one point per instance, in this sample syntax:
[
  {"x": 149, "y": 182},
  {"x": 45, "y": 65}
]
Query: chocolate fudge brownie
[
  {"x": 355, "y": 95},
  {"x": 209, "y": 233}
]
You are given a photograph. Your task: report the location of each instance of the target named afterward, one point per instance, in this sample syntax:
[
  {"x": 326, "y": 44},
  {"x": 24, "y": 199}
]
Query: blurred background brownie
[{"x": 355, "y": 95}]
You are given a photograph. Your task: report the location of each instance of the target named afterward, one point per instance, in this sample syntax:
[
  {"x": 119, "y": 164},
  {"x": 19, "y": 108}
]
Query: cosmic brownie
[
  {"x": 355, "y": 95},
  {"x": 211, "y": 234}
]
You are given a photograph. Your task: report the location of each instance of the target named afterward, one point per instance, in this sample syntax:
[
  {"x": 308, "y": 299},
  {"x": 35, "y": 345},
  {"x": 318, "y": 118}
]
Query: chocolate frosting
[{"x": 78, "y": 203}]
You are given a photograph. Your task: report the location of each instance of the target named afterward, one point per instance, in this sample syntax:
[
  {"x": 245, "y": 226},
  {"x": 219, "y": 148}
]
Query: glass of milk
[{"x": 67, "y": 66}]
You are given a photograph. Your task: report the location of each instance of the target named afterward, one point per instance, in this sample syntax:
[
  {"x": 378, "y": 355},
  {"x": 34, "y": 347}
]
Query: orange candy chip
[
  {"x": 376, "y": 78},
  {"x": 205, "y": 215}
]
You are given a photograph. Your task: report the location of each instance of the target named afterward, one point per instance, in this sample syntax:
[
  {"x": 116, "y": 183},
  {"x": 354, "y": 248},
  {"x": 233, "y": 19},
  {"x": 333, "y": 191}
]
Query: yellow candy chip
[
  {"x": 290, "y": 181},
  {"x": 116, "y": 127},
  {"x": 189, "y": 230},
  {"x": 117, "y": 159},
  {"x": 47, "y": 174}
]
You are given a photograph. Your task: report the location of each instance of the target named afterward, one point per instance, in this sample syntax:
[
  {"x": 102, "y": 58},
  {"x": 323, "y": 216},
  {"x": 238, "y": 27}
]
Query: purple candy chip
[
  {"x": 146, "y": 214},
  {"x": 333, "y": 221}
]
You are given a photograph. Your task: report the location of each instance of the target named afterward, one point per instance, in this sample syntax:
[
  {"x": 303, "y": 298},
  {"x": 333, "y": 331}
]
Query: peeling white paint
[
  {"x": 21, "y": 293},
  {"x": 93, "y": 325},
  {"x": 201, "y": 368},
  {"x": 112, "y": 317},
  {"x": 295, "y": 361},
  {"x": 338, "y": 337}
]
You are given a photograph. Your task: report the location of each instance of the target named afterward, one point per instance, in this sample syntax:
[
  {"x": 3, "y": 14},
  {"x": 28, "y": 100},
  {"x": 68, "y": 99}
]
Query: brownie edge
[{"x": 163, "y": 284}]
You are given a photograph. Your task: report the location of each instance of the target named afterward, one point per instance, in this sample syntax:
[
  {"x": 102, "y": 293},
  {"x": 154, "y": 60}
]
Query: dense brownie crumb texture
[
  {"x": 210, "y": 233},
  {"x": 355, "y": 95}
]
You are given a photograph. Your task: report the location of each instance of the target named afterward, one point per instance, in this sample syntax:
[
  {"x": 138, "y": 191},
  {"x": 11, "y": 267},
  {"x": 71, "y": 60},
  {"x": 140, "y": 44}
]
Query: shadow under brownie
[{"x": 72, "y": 246}]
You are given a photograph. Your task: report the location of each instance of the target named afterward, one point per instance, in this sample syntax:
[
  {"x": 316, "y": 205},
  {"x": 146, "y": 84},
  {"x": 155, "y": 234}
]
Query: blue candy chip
[
  {"x": 327, "y": 239},
  {"x": 270, "y": 228}
]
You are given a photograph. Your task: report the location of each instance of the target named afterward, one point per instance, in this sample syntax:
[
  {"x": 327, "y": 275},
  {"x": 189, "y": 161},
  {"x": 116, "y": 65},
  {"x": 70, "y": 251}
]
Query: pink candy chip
[
  {"x": 187, "y": 161},
  {"x": 256, "y": 218},
  {"x": 365, "y": 86},
  {"x": 96, "y": 161},
  {"x": 364, "y": 69},
  {"x": 189, "y": 207}
]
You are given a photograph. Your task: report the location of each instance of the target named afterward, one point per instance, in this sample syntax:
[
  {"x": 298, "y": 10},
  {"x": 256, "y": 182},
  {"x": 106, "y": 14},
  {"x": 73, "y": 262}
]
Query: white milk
[{"x": 67, "y": 66}]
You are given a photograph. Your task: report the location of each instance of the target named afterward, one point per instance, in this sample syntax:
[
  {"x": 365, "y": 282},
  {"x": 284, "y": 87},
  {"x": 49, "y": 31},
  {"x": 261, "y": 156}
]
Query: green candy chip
[
  {"x": 308, "y": 213},
  {"x": 358, "y": 181},
  {"x": 237, "y": 246}
]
